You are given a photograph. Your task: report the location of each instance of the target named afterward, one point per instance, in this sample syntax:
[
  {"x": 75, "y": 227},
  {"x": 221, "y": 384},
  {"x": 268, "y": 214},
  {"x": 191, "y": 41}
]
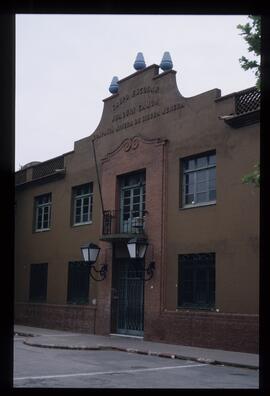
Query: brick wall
[
  {"x": 53, "y": 316},
  {"x": 234, "y": 332}
]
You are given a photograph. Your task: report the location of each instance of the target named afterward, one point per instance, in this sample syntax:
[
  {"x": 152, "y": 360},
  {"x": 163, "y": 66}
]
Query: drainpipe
[{"x": 98, "y": 179}]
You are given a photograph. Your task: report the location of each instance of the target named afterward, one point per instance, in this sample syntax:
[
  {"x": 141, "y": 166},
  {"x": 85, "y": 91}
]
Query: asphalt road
[{"x": 55, "y": 368}]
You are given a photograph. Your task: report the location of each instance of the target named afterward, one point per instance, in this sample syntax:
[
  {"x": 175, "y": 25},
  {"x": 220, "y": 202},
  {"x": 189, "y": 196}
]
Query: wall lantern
[
  {"x": 90, "y": 254},
  {"x": 137, "y": 248}
]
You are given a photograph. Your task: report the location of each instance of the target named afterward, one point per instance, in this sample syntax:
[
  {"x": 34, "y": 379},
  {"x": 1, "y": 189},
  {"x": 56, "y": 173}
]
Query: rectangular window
[
  {"x": 82, "y": 204},
  {"x": 78, "y": 283},
  {"x": 132, "y": 202},
  {"x": 196, "y": 280},
  {"x": 199, "y": 180},
  {"x": 38, "y": 282},
  {"x": 43, "y": 205}
]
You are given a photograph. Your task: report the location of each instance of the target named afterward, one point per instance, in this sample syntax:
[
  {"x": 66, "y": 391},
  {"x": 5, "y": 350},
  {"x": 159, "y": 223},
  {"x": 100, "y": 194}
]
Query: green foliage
[
  {"x": 252, "y": 35},
  {"x": 253, "y": 177}
]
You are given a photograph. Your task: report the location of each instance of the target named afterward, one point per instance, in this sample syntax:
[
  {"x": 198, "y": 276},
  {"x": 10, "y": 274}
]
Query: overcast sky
[{"x": 65, "y": 64}]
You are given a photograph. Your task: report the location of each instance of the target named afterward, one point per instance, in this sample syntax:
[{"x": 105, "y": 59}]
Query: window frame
[
  {"x": 81, "y": 198},
  {"x": 42, "y": 206},
  {"x": 210, "y": 304},
  {"x": 195, "y": 171}
]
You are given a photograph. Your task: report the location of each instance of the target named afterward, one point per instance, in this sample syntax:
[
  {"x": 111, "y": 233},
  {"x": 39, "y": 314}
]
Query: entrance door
[{"x": 130, "y": 298}]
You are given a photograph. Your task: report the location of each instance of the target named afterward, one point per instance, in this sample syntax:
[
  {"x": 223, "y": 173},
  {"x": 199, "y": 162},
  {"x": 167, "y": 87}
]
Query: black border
[{"x": 7, "y": 133}]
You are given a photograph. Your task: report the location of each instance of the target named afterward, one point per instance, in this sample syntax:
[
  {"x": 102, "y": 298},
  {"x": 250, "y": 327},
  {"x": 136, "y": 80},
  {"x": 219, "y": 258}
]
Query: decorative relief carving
[
  {"x": 132, "y": 144},
  {"x": 135, "y": 143},
  {"x": 127, "y": 145}
]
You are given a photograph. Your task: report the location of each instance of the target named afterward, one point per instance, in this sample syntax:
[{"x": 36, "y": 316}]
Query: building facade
[{"x": 160, "y": 167}]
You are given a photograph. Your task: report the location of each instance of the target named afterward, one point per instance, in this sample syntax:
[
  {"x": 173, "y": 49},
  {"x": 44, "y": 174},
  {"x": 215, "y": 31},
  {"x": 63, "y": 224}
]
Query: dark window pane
[
  {"x": 189, "y": 188},
  {"x": 201, "y": 162},
  {"x": 189, "y": 199},
  {"x": 189, "y": 178},
  {"x": 196, "y": 278},
  {"x": 78, "y": 191},
  {"x": 136, "y": 191},
  {"x": 212, "y": 184},
  {"x": 126, "y": 201},
  {"x": 201, "y": 197},
  {"x": 136, "y": 199},
  {"x": 85, "y": 201},
  {"x": 212, "y": 195},
  {"x": 38, "y": 282},
  {"x": 86, "y": 189},
  {"x": 212, "y": 159},
  {"x": 202, "y": 187},
  {"x": 78, "y": 203},
  {"x": 78, "y": 283},
  {"x": 191, "y": 164},
  {"x": 212, "y": 173},
  {"x": 85, "y": 209},
  {"x": 85, "y": 217},
  {"x": 201, "y": 175}
]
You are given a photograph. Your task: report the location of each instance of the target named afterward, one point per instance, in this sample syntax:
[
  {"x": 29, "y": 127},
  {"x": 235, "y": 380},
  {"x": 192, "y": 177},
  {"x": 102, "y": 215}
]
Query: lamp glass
[
  {"x": 85, "y": 253},
  {"x": 132, "y": 249},
  {"x": 141, "y": 249},
  {"x": 90, "y": 252},
  {"x": 137, "y": 248}
]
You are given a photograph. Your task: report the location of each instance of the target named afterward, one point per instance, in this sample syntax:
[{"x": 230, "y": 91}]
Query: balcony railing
[
  {"x": 115, "y": 223},
  {"x": 40, "y": 172},
  {"x": 48, "y": 167},
  {"x": 247, "y": 101},
  {"x": 247, "y": 105}
]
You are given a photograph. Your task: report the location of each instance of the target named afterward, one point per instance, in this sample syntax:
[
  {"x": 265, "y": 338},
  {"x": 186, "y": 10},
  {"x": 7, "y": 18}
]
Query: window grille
[{"x": 196, "y": 280}]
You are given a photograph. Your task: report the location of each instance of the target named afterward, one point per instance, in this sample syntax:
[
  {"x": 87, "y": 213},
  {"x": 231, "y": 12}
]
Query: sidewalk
[{"x": 48, "y": 338}]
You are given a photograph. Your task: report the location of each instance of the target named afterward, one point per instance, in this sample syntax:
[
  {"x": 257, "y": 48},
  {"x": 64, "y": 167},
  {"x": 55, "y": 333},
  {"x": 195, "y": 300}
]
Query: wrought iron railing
[
  {"x": 115, "y": 223},
  {"x": 246, "y": 101}
]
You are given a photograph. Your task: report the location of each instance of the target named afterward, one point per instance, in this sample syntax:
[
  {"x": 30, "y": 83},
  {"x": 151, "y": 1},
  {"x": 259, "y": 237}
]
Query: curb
[
  {"x": 18, "y": 333},
  {"x": 141, "y": 352}
]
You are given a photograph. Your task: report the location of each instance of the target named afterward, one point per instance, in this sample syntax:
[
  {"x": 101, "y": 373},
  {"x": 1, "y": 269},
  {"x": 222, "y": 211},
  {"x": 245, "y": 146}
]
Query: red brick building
[{"x": 160, "y": 167}]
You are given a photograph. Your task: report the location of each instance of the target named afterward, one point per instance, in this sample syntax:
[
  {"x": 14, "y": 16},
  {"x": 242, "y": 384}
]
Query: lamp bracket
[{"x": 102, "y": 272}]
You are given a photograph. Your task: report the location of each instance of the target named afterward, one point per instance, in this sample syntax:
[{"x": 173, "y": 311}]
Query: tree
[
  {"x": 253, "y": 177},
  {"x": 252, "y": 35}
]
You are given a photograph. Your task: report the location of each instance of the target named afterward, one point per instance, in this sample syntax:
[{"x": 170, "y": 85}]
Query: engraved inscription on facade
[{"x": 138, "y": 113}]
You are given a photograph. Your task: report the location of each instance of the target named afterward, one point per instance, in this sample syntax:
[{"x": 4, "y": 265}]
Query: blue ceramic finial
[
  {"x": 113, "y": 88},
  {"x": 139, "y": 63},
  {"x": 166, "y": 62}
]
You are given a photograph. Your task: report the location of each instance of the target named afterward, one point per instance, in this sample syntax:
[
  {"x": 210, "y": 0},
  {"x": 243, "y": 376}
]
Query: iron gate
[{"x": 130, "y": 290}]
